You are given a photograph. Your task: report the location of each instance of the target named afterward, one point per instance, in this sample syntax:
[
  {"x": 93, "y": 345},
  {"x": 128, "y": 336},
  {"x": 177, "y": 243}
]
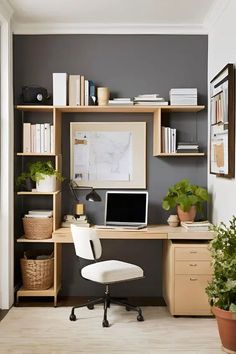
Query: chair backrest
[{"x": 86, "y": 241}]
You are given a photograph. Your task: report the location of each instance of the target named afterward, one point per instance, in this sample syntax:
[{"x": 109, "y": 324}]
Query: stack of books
[
  {"x": 150, "y": 100},
  {"x": 196, "y": 225},
  {"x": 39, "y": 214},
  {"x": 188, "y": 147},
  {"x": 168, "y": 140},
  {"x": 121, "y": 102},
  {"x": 183, "y": 96},
  {"x": 38, "y": 138},
  {"x": 81, "y": 221}
]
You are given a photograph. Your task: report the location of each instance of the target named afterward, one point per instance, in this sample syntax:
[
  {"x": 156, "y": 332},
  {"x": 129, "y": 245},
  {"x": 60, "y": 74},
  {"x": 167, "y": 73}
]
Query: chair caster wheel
[
  {"x": 127, "y": 308},
  {"x": 105, "y": 323},
  {"x": 72, "y": 317},
  {"x": 90, "y": 307},
  {"x": 140, "y": 318}
]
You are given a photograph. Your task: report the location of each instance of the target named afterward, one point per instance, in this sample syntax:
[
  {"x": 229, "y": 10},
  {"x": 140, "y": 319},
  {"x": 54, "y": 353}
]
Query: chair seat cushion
[{"x": 111, "y": 271}]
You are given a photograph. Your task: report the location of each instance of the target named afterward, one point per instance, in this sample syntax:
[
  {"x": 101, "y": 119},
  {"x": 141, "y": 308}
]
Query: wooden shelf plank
[
  {"x": 23, "y": 239},
  {"x": 35, "y": 154},
  {"x": 38, "y": 193},
  {"x": 112, "y": 109},
  {"x": 26, "y": 292},
  {"x": 29, "y": 108}
]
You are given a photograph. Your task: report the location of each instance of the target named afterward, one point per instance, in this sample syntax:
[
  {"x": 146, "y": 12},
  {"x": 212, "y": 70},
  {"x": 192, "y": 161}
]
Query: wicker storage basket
[
  {"x": 37, "y": 274},
  {"x": 37, "y": 228}
]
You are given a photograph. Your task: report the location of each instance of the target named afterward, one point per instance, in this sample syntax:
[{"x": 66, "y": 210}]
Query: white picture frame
[{"x": 108, "y": 155}]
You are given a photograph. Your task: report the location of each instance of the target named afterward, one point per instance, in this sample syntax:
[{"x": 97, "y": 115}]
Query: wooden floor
[{"x": 37, "y": 330}]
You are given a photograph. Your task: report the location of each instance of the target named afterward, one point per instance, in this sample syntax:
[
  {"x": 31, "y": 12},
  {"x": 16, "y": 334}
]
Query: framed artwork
[
  {"x": 108, "y": 155},
  {"x": 222, "y": 150}
]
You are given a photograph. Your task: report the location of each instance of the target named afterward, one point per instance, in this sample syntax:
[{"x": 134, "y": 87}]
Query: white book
[
  {"x": 169, "y": 140},
  {"x": 122, "y": 99},
  {"x": 41, "y": 216},
  {"x": 59, "y": 89},
  {"x": 47, "y": 137},
  {"x": 74, "y": 90},
  {"x": 183, "y": 91},
  {"x": 86, "y": 92},
  {"x": 149, "y": 95},
  {"x": 152, "y": 99},
  {"x": 174, "y": 141},
  {"x": 41, "y": 212},
  {"x": 33, "y": 137},
  {"x": 41, "y": 137},
  {"x": 38, "y": 138},
  {"x": 26, "y": 137},
  {"x": 52, "y": 145},
  {"x": 163, "y": 139},
  {"x": 166, "y": 140},
  {"x": 150, "y": 103}
]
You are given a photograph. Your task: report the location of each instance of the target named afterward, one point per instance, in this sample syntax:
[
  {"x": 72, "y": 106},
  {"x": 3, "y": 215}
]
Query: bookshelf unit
[{"x": 57, "y": 114}]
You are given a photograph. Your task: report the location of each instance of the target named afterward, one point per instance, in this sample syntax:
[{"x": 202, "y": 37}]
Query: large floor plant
[{"x": 221, "y": 290}]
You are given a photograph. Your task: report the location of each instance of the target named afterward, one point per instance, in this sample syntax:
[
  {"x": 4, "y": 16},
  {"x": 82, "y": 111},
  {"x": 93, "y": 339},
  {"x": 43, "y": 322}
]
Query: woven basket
[
  {"x": 37, "y": 228},
  {"x": 37, "y": 274}
]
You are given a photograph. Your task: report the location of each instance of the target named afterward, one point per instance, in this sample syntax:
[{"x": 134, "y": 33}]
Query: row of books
[
  {"x": 196, "y": 225},
  {"x": 168, "y": 140},
  {"x": 219, "y": 111},
  {"x": 39, "y": 214},
  {"x": 188, "y": 147},
  {"x": 38, "y": 138},
  {"x": 183, "y": 96},
  {"x": 79, "y": 91}
]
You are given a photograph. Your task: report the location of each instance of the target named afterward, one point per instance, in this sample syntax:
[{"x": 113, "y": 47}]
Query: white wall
[
  {"x": 7, "y": 156},
  {"x": 222, "y": 50}
]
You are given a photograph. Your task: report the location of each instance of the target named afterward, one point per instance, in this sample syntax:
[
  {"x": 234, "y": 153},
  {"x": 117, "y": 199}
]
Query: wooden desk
[{"x": 170, "y": 236}]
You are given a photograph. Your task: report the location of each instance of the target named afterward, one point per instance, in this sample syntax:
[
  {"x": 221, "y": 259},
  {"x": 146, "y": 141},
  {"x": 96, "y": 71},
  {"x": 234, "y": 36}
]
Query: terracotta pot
[
  {"x": 187, "y": 215},
  {"x": 226, "y": 322}
]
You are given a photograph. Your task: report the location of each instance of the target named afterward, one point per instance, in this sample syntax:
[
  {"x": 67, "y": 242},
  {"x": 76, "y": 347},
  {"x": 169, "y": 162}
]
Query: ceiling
[{"x": 123, "y": 13}]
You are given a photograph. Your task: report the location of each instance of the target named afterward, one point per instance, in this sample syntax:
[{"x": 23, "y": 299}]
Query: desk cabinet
[{"x": 187, "y": 270}]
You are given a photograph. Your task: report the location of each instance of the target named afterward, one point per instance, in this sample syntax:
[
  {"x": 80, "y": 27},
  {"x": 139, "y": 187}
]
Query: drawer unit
[{"x": 187, "y": 270}]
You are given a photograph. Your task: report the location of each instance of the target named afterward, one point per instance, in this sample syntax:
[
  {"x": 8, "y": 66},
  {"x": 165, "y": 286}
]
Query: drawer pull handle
[
  {"x": 193, "y": 279},
  {"x": 193, "y": 264},
  {"x": 193, "y": 251}
]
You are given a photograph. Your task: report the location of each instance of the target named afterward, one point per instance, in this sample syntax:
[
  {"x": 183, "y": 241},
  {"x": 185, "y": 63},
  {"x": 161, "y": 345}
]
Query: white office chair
[{"x": 88, "y": 246}]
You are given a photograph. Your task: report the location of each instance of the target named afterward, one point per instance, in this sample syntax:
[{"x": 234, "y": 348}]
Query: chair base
[{"x": 107, "y": 300}]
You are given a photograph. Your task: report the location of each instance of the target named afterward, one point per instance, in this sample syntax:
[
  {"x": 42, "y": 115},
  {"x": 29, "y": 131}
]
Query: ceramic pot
[
  {"x": 187, "y": 215},
  {"x": 226, "y": 322},
  {"x": 48, "y": 184},
  {"x": 173, "y": 220}
]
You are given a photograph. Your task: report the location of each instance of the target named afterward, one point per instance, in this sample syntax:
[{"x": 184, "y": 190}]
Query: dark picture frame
[{"x": 222, "y": 125}]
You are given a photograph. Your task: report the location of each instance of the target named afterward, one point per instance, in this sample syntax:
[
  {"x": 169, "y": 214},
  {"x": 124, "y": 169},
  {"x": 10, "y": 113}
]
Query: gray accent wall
[{"x": 129, "y": 65}]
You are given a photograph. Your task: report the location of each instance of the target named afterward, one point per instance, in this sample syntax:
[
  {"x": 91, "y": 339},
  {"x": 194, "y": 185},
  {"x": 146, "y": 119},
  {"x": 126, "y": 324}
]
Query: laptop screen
[{"x": 126, "y": 208}]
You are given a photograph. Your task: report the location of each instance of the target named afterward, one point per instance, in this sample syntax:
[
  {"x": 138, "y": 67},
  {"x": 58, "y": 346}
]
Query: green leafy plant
[
  {"x": 221, "y": 290},
  {"x": 185, "y": 195},
  {"x": 36, "y": 172}
]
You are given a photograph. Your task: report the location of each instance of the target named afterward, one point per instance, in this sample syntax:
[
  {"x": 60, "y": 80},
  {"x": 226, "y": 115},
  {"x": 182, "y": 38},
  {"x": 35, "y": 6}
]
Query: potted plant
[
  {"x": 221, "y": 290},
  {"x": 188, "y": 198},
  {"x": 43, "y": 173}
]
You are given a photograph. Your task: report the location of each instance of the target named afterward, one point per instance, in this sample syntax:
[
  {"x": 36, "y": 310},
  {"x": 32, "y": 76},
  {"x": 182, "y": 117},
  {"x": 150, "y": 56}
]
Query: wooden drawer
[
  {"x": 193, "y": 267},
  {"x": 190, "y": 296},
  {"x": 192, "y": 253}
]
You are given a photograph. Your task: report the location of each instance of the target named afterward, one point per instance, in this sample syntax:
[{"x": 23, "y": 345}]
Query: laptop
[{"x": 126, "y": 209}]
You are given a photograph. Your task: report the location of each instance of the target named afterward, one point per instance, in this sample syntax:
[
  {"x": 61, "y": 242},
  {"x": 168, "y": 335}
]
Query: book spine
[
  {"x": 47, "y": 137},
  {"x": 26, "y": 137},
  {"x": 33, "y": 132},
  {"x": 82, "y": 85},
  {"x": 74, "y": 90},
  {"x": 37, "y": 138},
  {"x": 52, "y": 145},
  {"x": 41, "y": 137},
  {"x": 60, "y": 89}
]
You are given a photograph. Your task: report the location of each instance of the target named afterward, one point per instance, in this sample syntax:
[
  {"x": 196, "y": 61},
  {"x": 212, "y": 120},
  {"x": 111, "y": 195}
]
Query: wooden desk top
[{"x": 152, "y": 232}]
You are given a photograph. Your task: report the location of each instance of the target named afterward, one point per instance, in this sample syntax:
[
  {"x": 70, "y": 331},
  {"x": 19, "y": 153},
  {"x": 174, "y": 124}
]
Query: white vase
[{"x": 48, "y": 184}]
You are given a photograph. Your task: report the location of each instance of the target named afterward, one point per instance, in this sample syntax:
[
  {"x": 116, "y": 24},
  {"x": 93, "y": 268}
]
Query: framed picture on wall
[
  {"x": 222, "y": 149},
  {"x": 108, "y": 154}
]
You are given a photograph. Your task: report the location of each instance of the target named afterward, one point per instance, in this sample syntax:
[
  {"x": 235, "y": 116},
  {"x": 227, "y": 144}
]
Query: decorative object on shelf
[
  {"x": 43, "y": 173},
  {"x": 34, "y": 95},
  {"x": 173, "y": 220},
  {"x": 222, "y": 122},
  {"x": 183, "y": 96},
  {"x": 221, "y": 290},
  {"x": 188, "y": 198},
  {"x": 103, "y": 94},
  {"x": 108, "y": 155},
  {"x": 37, "y": 269}
]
